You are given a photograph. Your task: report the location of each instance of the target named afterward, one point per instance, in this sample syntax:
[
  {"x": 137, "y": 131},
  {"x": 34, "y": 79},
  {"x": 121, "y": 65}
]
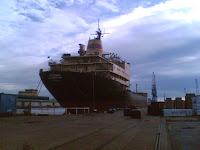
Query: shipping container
[
  {"x": 178, "y": 103},
  {"x": 188, "y": 100},
  {"x": 196, "y": 99},
  {"x": 196, "y": 105},
  {"x": 198, "y": 112},
  {"x": 52, "y": 110},
  {"x": 7, "y": 103},
  {"x": 177, "y": 112},
  {"x": 156, "y": 108},
  {"x": 49, "y": 111},
  {"x": 169, "y": 103},
  {"x": 42, "y": 110}
]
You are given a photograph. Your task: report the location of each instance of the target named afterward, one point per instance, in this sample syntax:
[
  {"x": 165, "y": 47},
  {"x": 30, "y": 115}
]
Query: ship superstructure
[
  {"x": 94, "y": 60},
  {"x": 93, "y": 79}
]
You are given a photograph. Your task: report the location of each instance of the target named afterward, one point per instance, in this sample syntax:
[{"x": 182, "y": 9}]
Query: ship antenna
[
  {"x": 98, "y": 32},
  {"x": 98, "y": 24}
]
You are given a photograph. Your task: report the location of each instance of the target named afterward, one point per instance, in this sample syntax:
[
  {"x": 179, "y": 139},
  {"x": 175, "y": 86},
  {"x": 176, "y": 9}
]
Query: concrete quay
[{"x": 85, "y": 131}]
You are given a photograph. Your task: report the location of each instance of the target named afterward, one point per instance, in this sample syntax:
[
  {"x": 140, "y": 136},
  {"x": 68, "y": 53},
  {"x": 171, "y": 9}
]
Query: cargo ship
[{"x": 92, "y": 79}]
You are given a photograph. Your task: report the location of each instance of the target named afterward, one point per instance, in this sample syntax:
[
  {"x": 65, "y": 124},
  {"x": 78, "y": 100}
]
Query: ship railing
[
  {"x": 102, "y": 69},
  {"x": 122, "y": 82},
  {"x": 46, "y": 69},
  {"x": 52, "y": 63}
]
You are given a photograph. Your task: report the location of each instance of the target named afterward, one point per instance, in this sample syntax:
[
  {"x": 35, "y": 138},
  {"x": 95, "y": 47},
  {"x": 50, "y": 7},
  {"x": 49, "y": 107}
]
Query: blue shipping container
[{"x": 7, "y": 103}]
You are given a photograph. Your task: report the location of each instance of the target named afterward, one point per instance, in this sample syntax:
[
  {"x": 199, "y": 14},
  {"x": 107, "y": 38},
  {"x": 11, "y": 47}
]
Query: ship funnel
[
  {"x": 94, "y": 47},
  {"x": 82, "y": 50}
]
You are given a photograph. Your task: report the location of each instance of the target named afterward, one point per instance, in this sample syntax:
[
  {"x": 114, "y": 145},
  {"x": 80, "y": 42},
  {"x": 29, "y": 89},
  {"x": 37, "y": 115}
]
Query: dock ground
[
  {"x": 184, "y": 132},
  {"x": 90, "y": 132}
]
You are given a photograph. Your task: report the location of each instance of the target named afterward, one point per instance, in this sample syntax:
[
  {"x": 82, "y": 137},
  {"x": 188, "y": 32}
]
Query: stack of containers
[{"x": 196, "y": 105}]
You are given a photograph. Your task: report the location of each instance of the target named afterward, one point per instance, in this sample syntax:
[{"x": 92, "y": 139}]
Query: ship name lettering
[{"x": 55, "y": 76}]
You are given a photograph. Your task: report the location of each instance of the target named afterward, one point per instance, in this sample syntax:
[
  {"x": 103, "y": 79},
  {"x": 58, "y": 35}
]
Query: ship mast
[{"x": 98, "y": 32}]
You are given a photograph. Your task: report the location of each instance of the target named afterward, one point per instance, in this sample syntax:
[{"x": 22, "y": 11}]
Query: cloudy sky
[{"x": 153, "y": 35}]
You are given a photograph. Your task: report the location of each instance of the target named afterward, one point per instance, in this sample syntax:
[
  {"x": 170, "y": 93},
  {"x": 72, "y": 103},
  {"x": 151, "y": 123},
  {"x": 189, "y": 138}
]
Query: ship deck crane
[{"x": 154, "y": 91}]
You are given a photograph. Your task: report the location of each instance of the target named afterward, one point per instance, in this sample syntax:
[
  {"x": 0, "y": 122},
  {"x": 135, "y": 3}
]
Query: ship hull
[{"x": 74, "y": 89}]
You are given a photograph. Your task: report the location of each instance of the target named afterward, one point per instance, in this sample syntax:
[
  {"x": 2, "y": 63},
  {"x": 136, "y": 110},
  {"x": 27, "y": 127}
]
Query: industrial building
[
  {"x": 34, "y": 101},
  {"x": 30, "y": 98},
  {"x": 14, "y": 103},
  {"x": 30, "y": 92},
  {"x": 28, "y": 102}
]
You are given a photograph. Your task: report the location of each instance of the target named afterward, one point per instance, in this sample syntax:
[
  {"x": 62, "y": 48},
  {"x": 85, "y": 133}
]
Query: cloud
[
  {"x": 33, "y": 17},
  {"x": 159, "y": 39},
  {"x": 108, "y": 4},
  {"x": 154, "y": 36}
]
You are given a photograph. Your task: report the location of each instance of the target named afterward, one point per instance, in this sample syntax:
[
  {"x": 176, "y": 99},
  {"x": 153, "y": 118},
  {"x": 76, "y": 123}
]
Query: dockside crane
[
  {"x": 154, "y": 91},
  {"x": 185, "y": 91}
]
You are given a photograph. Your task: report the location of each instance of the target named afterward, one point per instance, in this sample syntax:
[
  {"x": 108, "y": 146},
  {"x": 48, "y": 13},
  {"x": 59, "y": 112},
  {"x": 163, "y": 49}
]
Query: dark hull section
[{"x": 74, "y": 89}]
